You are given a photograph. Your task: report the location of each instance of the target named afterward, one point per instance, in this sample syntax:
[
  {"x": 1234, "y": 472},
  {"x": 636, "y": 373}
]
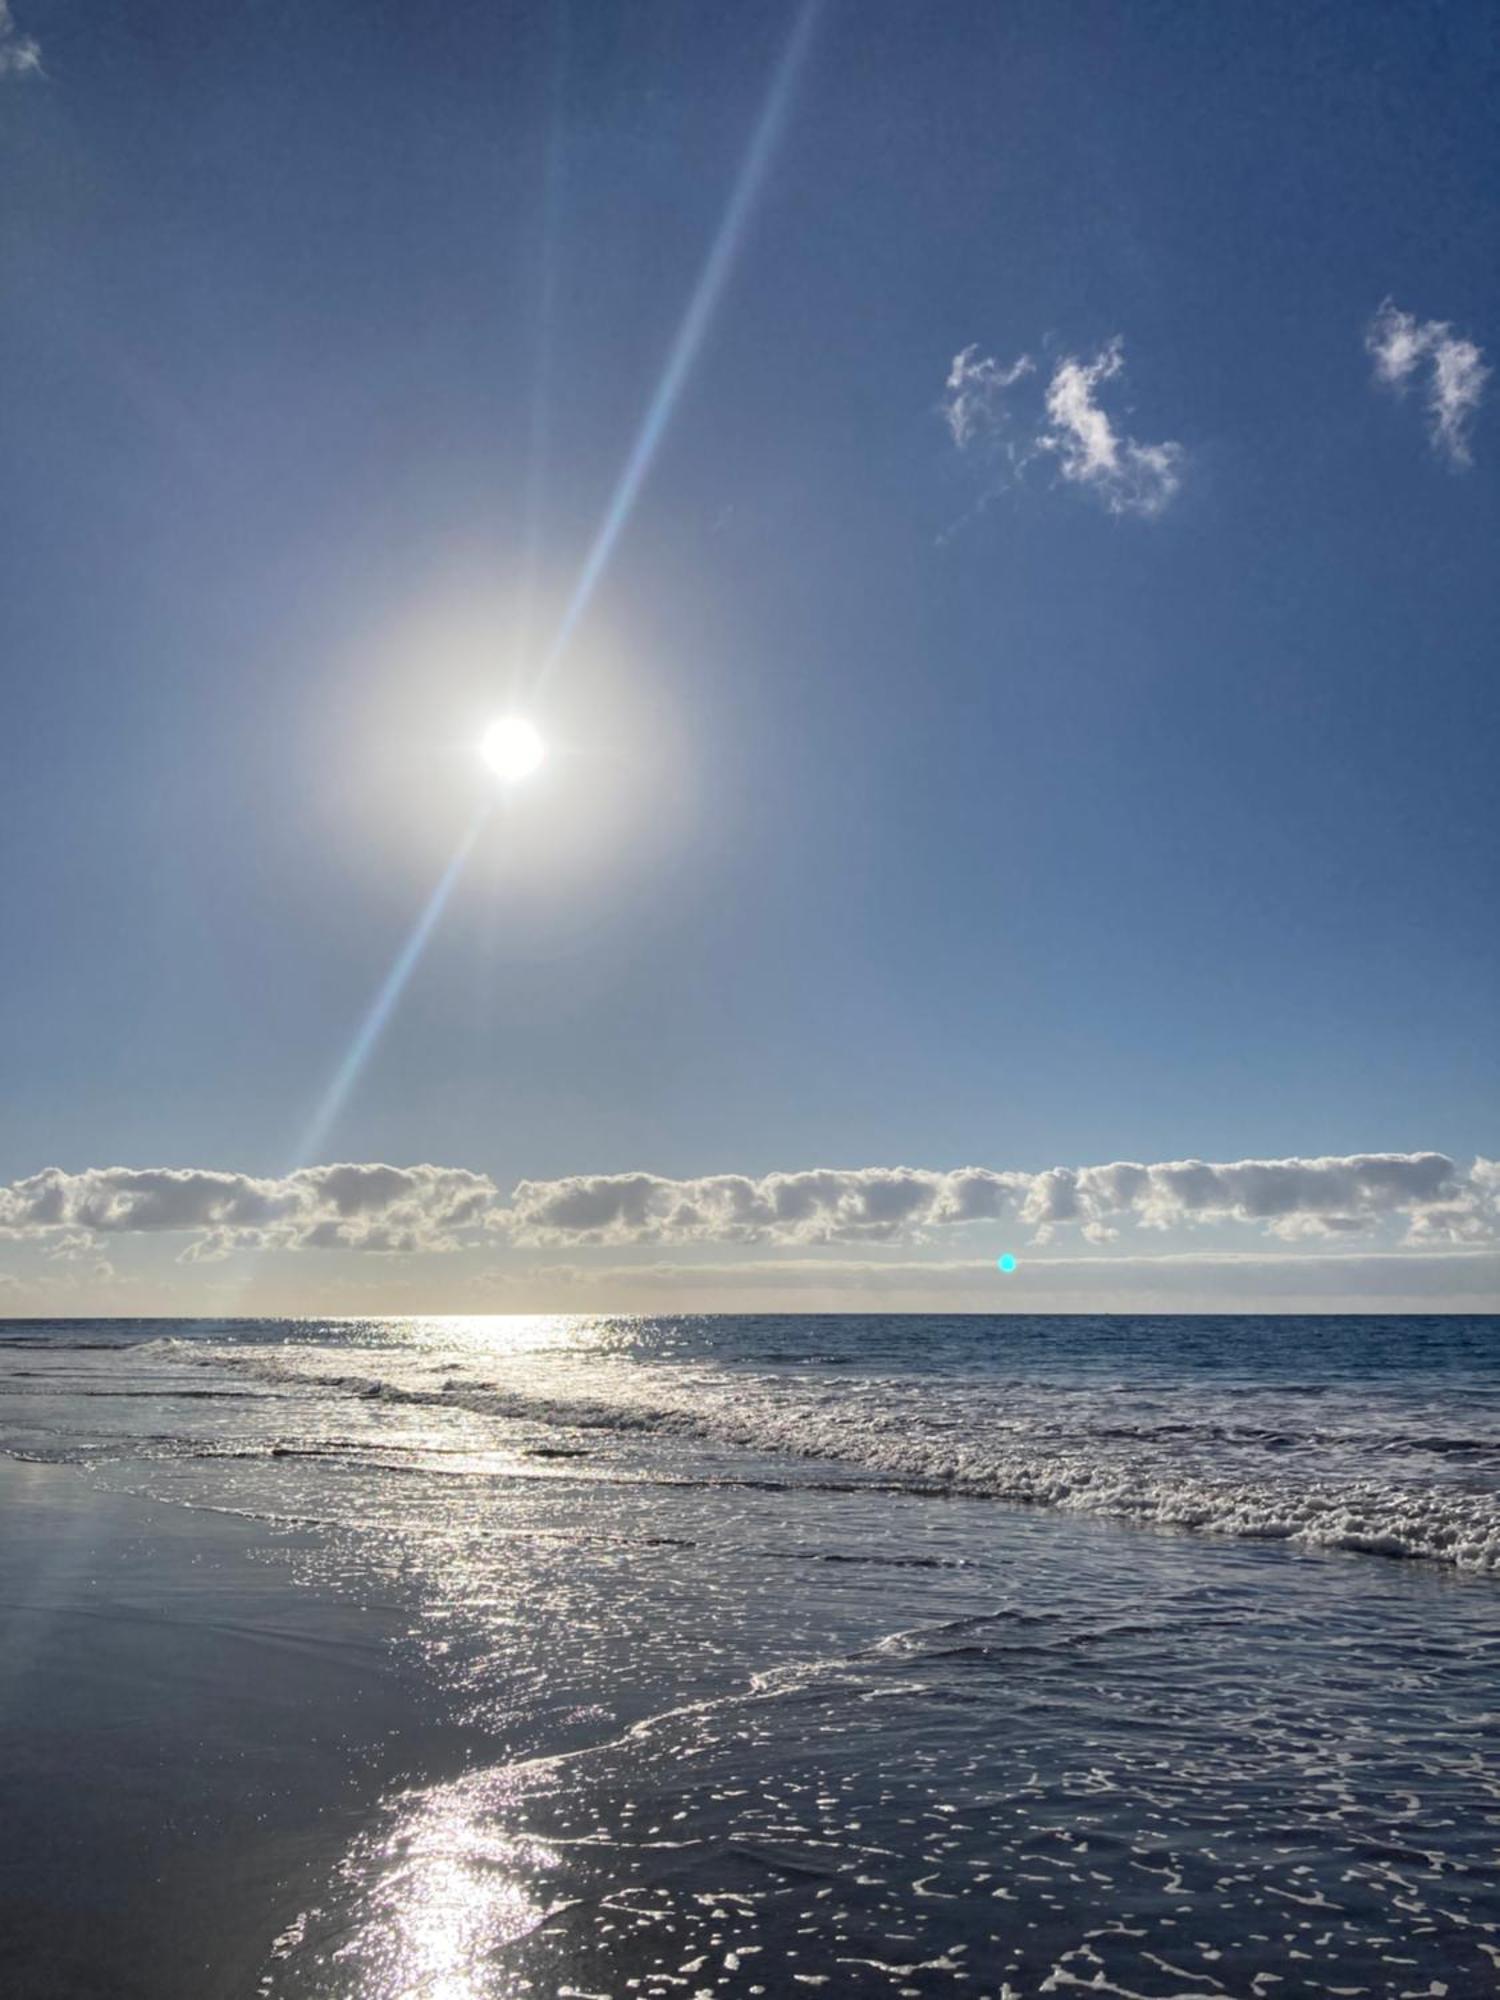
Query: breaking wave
[{"x": 1368, "y": 1477}]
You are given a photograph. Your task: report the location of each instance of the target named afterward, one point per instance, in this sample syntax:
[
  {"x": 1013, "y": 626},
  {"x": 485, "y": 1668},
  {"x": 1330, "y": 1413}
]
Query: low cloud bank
[
  {"x": 431, "y": 1209},
  {"x": 348, "y": 1207},
  {"x": 1291, "y": 1199}
]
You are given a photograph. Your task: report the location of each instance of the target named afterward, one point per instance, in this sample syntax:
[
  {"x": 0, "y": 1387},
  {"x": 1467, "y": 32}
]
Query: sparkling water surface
[{"x": 891, "y": 1655}]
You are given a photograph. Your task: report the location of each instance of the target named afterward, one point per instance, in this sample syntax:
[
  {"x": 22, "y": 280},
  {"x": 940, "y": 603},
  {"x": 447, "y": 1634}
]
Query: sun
[{"x": 512, "y": 748}]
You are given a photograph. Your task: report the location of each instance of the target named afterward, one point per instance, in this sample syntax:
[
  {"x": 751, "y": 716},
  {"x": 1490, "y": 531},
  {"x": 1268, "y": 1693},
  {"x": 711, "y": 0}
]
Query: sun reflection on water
[
  {"x": 495, "y": 1335},
  {"x": 435, "y": 1902}
]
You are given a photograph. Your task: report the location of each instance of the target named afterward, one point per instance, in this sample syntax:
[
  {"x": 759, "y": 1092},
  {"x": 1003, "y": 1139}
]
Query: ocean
[{"x": 706, "y": 1656}]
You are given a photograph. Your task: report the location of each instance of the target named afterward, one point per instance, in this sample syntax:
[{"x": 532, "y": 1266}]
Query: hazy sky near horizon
[{"x": 992, "y": 508}]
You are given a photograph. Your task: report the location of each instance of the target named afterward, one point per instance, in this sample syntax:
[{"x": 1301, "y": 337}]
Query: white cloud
[
  {"x": 1401, "y": 346},
  {"x": 1072, "y": 428},
  {"x": 816, "y": 1205},
  {"x": 349, "y": 1207},
  {"x": 425, "y": 1209},
  {"x": 1130, "y": 478},
  {"x": 20, "y": 55},
  {"x": 1290, "y": 1199}
]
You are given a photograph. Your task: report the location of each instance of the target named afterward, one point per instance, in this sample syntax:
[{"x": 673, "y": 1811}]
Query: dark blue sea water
[
  {"x": 889, "y": 1655},
  {"x": 1378, "y": 1434}
]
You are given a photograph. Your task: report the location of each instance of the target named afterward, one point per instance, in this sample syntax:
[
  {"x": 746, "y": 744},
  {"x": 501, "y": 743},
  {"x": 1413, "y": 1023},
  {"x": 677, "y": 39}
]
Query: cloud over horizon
[
  {"x": 1291, "y": 1199},
  {"x": 343, "y": 1207},
  {"x": 1401, "y": 346},
  {"x": 1073, "y": 428},
  {"x": 430, "y": 1209}
]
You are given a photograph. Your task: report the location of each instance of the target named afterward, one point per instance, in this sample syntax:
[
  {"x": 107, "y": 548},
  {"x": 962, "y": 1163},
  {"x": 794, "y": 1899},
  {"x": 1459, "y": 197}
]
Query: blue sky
[{"x": 914, "y": 799}]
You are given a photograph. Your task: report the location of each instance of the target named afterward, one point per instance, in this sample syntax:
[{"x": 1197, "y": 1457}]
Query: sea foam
[{"x": 1371, "y": 1477}]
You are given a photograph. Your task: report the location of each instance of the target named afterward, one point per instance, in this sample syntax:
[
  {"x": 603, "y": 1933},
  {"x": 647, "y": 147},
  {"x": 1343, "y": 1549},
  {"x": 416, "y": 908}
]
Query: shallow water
[{"x": 773, "y": 1686}]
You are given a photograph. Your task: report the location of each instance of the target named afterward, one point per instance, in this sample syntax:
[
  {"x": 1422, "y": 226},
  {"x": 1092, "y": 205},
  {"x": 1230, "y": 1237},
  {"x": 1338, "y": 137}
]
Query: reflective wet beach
[
  {"x": 734, "y": 1722},
  {"x": 1128, "y": 1768}
]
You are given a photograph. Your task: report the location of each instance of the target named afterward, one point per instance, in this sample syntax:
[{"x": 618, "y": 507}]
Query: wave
[
  {"x": 1333, "y": 1488},
  {"x": 48, "y": 1343}
]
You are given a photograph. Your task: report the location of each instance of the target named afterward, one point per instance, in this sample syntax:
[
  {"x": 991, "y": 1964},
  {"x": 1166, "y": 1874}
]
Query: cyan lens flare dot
[{"x": 1006, "y": 1262}]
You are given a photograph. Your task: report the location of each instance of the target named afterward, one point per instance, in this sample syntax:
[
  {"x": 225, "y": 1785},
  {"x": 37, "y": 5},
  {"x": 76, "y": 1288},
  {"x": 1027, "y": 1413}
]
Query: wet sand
[{"x": 188, "y": 1740}]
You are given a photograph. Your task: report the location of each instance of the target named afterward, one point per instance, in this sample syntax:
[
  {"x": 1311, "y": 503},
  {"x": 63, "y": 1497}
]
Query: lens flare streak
[
  {"x": 692, "y": 329},
  {"x": 391, "y": 989}
]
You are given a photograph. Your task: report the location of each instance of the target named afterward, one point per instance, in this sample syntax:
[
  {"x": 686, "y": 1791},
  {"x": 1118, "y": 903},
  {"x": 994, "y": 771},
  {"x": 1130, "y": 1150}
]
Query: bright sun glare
[{"x": 512, "y": 748}]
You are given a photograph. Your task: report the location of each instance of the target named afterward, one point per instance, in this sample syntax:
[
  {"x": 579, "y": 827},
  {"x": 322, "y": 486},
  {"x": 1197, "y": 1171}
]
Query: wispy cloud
[
  {"x": 1404, "y": 347},
  {"x": 973, "y": 397},
  {"x": 1130, "y": 478},
  {"x": 426, "y": 1209},
  {"x": 20, "y": 55},
  {"x": 1072, "y": 427}
]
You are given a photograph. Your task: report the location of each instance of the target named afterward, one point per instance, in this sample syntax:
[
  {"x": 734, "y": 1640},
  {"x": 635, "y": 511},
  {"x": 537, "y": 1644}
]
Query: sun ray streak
[
  {"x": 383, "y": 1005},
  {"x": 690, "y": 333}
]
